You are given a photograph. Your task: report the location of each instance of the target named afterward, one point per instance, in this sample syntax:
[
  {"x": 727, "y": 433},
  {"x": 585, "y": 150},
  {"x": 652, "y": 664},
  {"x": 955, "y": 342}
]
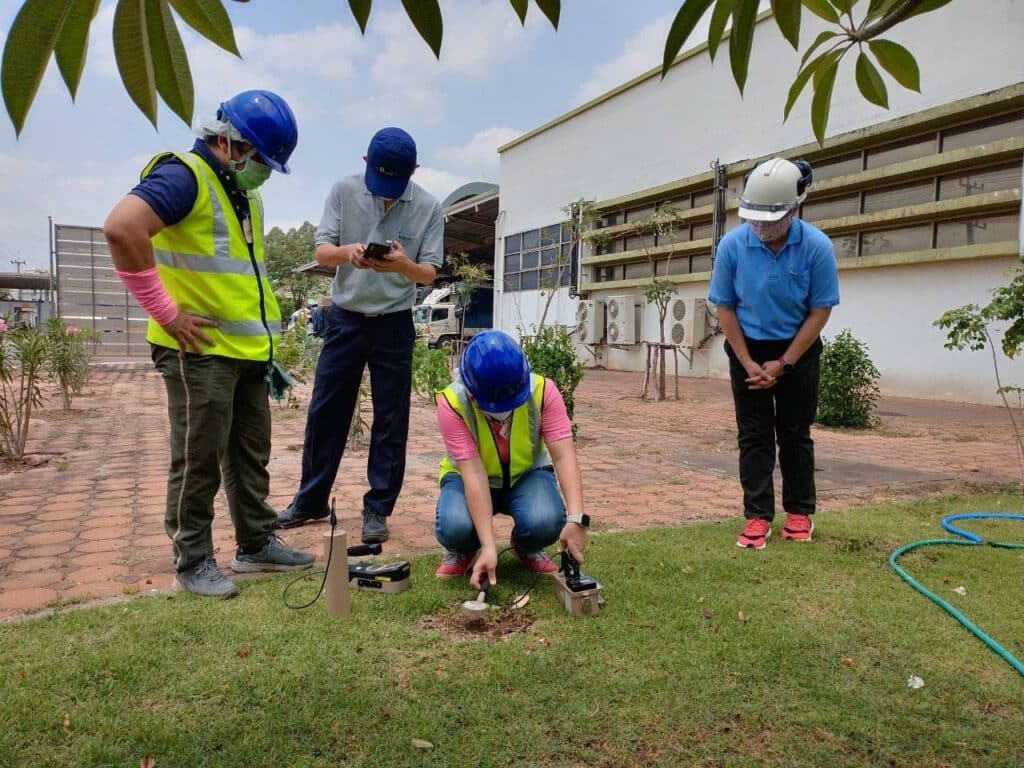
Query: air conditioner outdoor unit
[
  {"x": 621, "y": 320},
  {"x": 688, "y": 321},
  {"x": 590, "y": 321}
]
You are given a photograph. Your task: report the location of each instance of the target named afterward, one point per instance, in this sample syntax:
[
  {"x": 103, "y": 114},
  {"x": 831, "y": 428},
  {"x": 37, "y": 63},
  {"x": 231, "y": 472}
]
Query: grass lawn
[{"x": 814, "y": 672}]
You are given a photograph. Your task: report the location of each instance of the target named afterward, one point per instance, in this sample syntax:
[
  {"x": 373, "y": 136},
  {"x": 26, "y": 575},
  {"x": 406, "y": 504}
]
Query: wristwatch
[
  {"x": 787, "y": 367},
  {"x": 582, "y": 520}
]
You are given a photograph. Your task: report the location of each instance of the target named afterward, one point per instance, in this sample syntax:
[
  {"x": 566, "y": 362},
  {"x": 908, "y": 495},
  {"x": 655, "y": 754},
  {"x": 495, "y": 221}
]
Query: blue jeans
[
  {"x": 352, "y": 342},
  {"x": 534, "y": 504}
]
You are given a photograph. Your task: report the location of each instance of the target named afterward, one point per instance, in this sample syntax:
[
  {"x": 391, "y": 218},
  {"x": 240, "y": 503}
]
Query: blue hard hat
[
  {"x": 266, "y": 121},
  {"x": 495, "y": 371}
]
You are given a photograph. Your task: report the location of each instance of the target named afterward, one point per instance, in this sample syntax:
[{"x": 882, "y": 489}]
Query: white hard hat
[{"x": 773, "y": 188}]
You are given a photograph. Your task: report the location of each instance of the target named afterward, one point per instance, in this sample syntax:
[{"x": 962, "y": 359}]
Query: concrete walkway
[{"x": 88, "y": 523}]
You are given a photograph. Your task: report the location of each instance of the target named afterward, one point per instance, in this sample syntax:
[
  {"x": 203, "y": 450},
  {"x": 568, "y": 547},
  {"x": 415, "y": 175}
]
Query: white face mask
[
  {"x": 772, "y": 231},
  {"x": 499, "y": 415}
]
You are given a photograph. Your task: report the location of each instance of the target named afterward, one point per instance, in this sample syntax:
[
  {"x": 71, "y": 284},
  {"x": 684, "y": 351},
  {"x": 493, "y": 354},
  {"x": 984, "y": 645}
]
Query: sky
[{"x": 495, "y": 80}]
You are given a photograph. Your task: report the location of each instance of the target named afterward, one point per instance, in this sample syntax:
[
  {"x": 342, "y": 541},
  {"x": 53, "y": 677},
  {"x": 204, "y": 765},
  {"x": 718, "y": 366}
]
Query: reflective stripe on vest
[
  {"x": 526, "y": 450},
  {"x": 205, "y": 265}
]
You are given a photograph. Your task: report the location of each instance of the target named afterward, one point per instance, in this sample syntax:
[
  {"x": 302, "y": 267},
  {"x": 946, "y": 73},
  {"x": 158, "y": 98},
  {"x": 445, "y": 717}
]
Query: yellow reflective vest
[
  {"x": 206, "y": 266},
  {"x": 526, "y": 450}
]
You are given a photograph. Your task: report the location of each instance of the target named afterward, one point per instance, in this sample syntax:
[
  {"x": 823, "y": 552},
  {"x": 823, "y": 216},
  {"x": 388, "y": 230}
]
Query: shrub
[
  {"x": 849, "y": 388},
  {"x": 22, "y": 360},
  {"x": 551, "y": 353},
  {"x": 68, "y": 356},
  {"x": 431, "y": 370}
]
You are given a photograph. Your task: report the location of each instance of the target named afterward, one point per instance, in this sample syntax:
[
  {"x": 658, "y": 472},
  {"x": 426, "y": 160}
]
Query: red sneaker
[
  {"x": 755, "y": 534},
  {"x": 454, "y": 564},
  {"x": 538, "y": 562},
  {"x": 798, "y": 527}
]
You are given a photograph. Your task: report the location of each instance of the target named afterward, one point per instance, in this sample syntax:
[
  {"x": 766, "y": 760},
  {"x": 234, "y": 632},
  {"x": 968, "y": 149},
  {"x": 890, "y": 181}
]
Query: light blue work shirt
[
  {"x": 353, "y": 214},
  {"x": 772, "y": 292}
]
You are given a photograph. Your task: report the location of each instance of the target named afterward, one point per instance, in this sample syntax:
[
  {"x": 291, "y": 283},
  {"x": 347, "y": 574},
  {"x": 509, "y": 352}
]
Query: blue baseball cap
[{"x": 390, "y": 161}]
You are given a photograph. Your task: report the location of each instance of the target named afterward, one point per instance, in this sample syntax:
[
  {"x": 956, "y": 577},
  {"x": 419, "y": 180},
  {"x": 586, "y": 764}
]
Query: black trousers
[
  {"x": 351, "y": 342},
  {"x": 782, "y": 415}
]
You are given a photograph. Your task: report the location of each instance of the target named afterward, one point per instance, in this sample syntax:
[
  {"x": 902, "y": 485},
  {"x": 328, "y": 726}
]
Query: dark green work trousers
[{"x": 220, "y": 427}]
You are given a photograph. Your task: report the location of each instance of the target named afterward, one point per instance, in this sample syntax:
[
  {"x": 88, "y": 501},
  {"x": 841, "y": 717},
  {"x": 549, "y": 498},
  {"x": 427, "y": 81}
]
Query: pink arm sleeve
[
  {"x": 458, "y": 440},
  {"x": 147, "y": 289},
  {"x": 554, "y": 420}
]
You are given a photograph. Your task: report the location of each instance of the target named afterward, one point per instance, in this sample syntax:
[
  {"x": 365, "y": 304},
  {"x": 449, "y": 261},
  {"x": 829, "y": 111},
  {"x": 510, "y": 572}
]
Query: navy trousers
[{"x": 351, "y": 342}]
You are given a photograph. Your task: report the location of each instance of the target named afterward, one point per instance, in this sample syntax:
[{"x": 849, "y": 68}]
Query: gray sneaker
[
  {"x": 274, "y": 556},
  {"x": 375, "y": 528},
  {"x": 205, "y": 580}
]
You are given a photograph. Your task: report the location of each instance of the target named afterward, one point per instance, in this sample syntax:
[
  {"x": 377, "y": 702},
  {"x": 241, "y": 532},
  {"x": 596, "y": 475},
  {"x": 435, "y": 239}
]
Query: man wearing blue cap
[{"x": 369, "y": 323}]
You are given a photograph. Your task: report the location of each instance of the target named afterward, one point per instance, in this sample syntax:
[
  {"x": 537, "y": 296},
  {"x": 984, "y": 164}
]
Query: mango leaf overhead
[{"x": 153, "y": 63}]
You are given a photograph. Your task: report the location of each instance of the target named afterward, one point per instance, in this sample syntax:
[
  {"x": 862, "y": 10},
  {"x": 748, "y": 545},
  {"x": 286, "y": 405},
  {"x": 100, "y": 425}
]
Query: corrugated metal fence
[{"x": 90, "y": 295}]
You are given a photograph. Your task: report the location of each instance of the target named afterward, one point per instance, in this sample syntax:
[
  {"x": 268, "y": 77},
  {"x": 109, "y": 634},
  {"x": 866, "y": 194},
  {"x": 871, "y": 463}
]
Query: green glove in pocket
[{"x": 279, "y": 379}]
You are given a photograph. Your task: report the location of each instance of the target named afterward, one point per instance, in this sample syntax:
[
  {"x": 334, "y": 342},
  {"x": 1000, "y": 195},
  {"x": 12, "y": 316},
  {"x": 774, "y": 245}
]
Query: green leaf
[
  {"x": 209, "y": 19},
  {"x": 134, "y": 61},
  {"x": 552, "y": 9},
  {"x": 426, "y": 17},
  {"x": 787, "y": 17},
  {"x": 822, "y": 8},
  {"x": 802, "y": 78},
  {"x": 30, "y": 42},
  {"x": 719, "y": 18},
  {"x": 822, "y": 101},
  {"x": 690, "y": 12},
  {"x": 844, "y": 6},
  {"x": 928, "y": 6},
  {"x": 741, "y": 40},
  {"x": 521, "y": 7},
  {"x": 898, "y": 62},
  {"x": 870, "y": 82},
  {"x": 879, "y": 8},
  {"x": 170, "y": 62},
  {"x": 360, "y": 12},
  {"x": 828, "y": 57},
  {"x": 73, "y": 42},
  {"x": 819, "y": 41}
]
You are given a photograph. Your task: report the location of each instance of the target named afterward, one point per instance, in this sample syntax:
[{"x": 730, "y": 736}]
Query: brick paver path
[{"x": 89, "y": 522}]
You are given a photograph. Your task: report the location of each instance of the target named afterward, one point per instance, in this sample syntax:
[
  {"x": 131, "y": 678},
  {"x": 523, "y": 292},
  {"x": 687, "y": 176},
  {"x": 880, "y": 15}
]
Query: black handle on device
[{"x": 357, "y": 550}]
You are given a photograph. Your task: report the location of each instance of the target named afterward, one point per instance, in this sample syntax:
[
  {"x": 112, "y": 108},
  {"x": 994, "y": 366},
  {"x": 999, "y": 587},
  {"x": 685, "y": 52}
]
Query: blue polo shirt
[
  {"x": 170, "y": 188},
  {"x": 772, "y": 292}
]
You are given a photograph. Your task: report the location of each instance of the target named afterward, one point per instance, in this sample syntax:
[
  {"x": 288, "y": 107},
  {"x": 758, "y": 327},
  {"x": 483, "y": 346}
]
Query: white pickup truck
[{"x": 438, "y": 316}]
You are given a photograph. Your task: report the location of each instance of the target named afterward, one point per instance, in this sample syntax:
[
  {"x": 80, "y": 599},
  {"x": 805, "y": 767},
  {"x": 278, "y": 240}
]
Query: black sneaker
[
  {"x": 375, "y": 528},
  {"x": 275, "y": 556},
  {"x": 290, "y": 517}
]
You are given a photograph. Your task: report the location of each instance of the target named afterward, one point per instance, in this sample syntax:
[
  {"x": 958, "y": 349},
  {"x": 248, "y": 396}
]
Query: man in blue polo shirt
[
  {"x": 775, "y": 283},
  {"x": 370, "y": 323}
]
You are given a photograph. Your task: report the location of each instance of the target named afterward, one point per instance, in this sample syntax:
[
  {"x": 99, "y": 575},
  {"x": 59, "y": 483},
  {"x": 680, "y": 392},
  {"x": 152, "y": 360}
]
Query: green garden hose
[{"x": 969, "y": 540}]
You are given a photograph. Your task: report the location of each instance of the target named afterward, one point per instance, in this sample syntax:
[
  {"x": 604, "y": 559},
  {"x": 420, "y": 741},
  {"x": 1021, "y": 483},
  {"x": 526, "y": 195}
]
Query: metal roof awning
[{"x": 28, "y": 282}]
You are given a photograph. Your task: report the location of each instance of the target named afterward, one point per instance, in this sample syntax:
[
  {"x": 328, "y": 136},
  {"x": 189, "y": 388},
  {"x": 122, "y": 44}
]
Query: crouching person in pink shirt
[{"x": 507, "y": 437}]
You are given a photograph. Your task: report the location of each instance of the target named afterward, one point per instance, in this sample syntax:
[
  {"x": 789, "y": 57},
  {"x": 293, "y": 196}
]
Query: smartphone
[{"x": 377, "y": 251}]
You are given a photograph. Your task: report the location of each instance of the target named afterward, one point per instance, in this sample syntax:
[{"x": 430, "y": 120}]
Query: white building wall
[{"x": 659, "y": 131}]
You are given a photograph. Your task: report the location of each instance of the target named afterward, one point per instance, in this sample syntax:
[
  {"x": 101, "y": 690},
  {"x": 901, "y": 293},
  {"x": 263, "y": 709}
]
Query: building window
[
  {"x": 901, "y": 152},
  {"x": 899, "y": 197},
  {"x": 845, "y": 246},
  {"x": 1003, "y": 127},
  {"x": 837, "y": 207},
  {"x": 978, "y": 182},
  {"x": 992, "y": 229},
  {"x": 838, "y": 166},
  {"x": 896, "y": 240},
  {"x": 542, "y": 258}
]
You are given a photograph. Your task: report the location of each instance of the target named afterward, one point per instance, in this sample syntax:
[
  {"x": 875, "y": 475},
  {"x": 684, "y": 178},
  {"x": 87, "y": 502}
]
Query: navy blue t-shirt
[{"x": 170, "y": 188}]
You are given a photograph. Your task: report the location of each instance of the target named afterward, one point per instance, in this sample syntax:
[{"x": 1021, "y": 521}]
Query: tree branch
[{"x": 887, "y": 22}]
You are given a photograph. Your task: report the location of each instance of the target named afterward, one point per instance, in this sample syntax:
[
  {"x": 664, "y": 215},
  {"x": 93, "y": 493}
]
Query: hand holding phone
[{"x": 377, "y": 251}]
